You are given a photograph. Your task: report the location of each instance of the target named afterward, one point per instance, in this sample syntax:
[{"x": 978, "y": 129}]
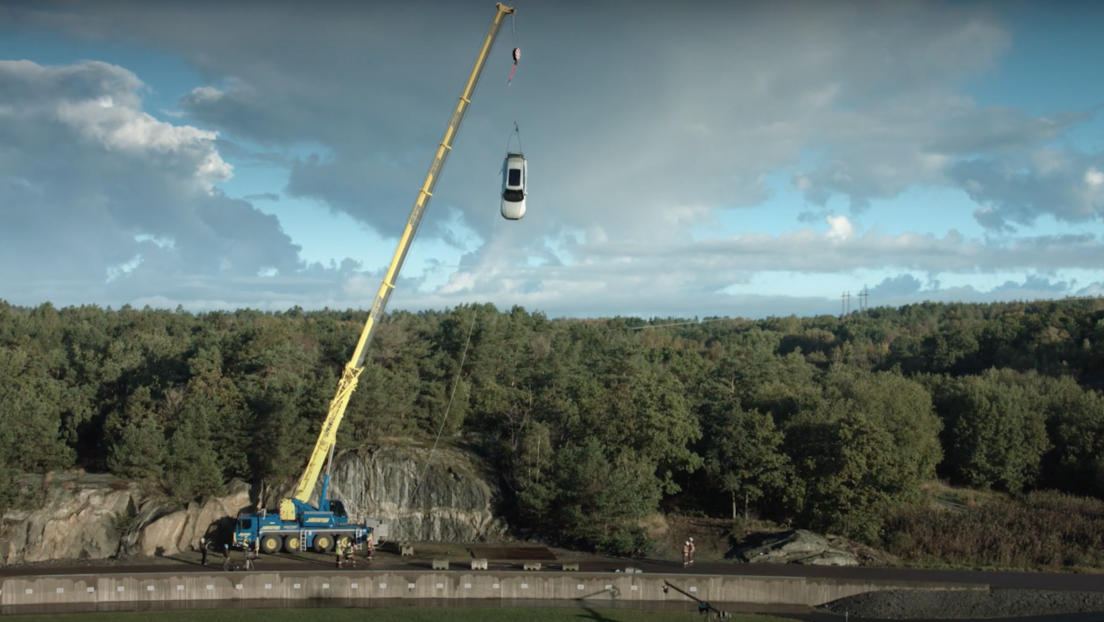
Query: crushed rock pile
[{"x": 964, "y": 604}]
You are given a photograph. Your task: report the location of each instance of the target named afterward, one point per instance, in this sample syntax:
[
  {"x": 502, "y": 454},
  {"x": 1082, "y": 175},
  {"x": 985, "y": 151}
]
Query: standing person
[
  {"x": 690, "y": 543},
  {"x": 369, "y": 547},
  {"x": 203, "y": 544},
  {"x": 226, "y": 557},
  {"x": 345, "y": 552},
  {"x": 352, "y": 553},
  {"x": 257, "y": 548},
  {"x": 337, "y": 554},
  {"x": 685, "y": 553}
]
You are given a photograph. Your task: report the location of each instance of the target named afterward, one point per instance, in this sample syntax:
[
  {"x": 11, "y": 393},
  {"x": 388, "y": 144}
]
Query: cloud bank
[{"x": 650, "y": 122}]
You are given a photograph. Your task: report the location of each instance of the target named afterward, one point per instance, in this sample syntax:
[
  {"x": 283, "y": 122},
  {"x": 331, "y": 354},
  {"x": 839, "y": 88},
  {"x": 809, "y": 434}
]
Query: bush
[{"x": 1042, "y": 530}]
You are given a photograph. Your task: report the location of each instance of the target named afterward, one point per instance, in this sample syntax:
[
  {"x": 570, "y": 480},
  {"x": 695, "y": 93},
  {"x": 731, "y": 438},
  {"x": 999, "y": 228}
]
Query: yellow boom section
[{"x": 348, "y": 382}]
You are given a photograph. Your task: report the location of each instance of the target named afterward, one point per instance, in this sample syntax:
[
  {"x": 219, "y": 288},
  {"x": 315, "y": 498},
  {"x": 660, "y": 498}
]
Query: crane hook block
[{"x": 517, "y": 56}]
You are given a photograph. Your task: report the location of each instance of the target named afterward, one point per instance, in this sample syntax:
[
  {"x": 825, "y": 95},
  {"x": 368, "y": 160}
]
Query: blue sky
[{"x": 761, "y": 162}]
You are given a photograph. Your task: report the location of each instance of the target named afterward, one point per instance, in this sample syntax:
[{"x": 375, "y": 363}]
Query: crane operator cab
[{"x": 513, "y": 186}]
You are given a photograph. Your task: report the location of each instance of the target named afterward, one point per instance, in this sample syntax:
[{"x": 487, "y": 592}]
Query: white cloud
[
  {"x": 840, "y": 228},
  {"x": 103, "y": 203},
  {"x": 121, "y": 270},
  {"x": 1094, "y": 289},
  {"x": 1094, "y": 177},
  {"x": 159, "y": 241},
  {"x": 129, "y": 130},
  {"x": 459, "y": 282},
  {"x": 617, "y": 277},
  {"x": 1017, "y": 189}
]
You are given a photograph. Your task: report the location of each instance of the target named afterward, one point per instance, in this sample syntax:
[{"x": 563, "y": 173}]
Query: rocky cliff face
[
  {"x": 78, "y": 516},
  {"x": 157, "y": 532},
  {"x": 454, "y": 503},
  {"x": 75, "y": 515}
]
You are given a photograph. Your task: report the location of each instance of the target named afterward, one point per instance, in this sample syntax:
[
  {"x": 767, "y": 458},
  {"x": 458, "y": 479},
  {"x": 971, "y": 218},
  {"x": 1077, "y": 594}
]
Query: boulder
[
  {"x": 798, "y": 547},
  {"x": 75, "y": 516}
]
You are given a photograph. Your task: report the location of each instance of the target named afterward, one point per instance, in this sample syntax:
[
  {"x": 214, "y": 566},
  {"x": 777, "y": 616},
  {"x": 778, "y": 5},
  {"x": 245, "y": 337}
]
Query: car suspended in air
[{"x": 514, "y": 177}]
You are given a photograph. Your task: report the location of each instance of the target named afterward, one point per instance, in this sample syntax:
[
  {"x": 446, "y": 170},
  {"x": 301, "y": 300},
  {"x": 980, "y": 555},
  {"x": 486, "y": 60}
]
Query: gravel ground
[
  {"x": 109, "y": 562},
  {"x": 951, "y": 604}
]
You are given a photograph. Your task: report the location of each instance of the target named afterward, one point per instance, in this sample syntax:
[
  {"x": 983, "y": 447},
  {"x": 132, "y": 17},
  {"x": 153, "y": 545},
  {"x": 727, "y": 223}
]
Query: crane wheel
[
  {"x": 343, "y": 541},
  {"x": 291, "y": 544},
  {"x": 323, "y": 542},
  {"x": 270, "y": 544}
]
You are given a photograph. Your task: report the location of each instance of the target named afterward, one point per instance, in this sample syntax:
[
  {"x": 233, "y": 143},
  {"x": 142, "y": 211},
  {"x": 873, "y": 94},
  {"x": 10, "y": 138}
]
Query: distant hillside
[{"x": 591, "y": 425}]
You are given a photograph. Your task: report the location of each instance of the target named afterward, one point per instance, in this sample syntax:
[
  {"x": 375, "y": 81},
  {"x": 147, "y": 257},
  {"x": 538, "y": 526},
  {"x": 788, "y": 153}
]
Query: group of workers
[
  {"x": 344, "y": 551},
  {"x": 688, "y": 552}
]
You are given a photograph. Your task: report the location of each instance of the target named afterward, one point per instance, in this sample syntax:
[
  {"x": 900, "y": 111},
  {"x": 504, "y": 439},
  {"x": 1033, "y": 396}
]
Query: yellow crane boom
[{"x": 345, "y": 387}]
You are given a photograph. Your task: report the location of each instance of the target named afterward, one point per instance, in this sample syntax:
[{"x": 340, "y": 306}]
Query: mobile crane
[{"x": 298, "y": 525}]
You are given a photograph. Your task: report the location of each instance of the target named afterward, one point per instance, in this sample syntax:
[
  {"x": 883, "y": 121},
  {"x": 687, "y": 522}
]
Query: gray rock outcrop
[
  {"x": 173, "y": 532},
  {"x": 75, "y": 516},
  {"x": 799, "y": 547},
  {"x": 454, "y": 503}
]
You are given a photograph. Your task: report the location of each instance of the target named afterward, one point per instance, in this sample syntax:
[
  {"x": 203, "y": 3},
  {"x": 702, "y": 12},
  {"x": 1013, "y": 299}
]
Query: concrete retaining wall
[{"x": 45, "y": 591}]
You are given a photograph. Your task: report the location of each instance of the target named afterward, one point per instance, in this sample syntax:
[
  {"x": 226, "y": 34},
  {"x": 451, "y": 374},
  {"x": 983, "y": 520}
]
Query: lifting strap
[{"x": 510, "y": 139}]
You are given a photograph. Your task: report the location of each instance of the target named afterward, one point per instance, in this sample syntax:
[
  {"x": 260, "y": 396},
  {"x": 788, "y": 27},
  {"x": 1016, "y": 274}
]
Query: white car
[{"x": 514, "y": 176}]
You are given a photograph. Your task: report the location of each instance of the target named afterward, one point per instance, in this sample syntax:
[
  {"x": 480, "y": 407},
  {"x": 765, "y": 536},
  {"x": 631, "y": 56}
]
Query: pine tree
[{"x": 140, "y": 452}]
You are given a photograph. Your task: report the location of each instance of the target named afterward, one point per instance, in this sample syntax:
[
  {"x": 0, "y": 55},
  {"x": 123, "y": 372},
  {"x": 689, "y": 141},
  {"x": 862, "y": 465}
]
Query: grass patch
[
  {"x": 942, "y": 491},
  {"x": 395, "y": 614}
]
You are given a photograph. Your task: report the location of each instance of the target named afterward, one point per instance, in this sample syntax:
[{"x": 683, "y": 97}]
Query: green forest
[{"x": 827, "y": 423}]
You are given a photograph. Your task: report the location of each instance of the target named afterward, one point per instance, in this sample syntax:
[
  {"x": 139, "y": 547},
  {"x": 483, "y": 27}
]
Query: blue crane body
[{"x": 316, "y": 529}]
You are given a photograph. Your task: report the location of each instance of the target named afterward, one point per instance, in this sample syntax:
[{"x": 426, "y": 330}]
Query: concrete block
[
  {"x": 440, "y": 564},
  {"x": 532, "y": 566},
  {"x": 479, "y": 564},
  {"x": 407, "y": 550},
  {"x": 570, "y": 567}
]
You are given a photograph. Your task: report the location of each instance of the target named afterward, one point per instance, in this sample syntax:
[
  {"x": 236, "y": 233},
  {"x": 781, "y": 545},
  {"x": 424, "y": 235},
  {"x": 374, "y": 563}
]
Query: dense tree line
[{"x": 821, "y": 422}]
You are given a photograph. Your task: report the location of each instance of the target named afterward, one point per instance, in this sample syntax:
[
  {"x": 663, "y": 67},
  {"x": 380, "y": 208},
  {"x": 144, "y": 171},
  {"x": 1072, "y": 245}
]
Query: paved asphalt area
[{"x": 189, "y": 563}]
